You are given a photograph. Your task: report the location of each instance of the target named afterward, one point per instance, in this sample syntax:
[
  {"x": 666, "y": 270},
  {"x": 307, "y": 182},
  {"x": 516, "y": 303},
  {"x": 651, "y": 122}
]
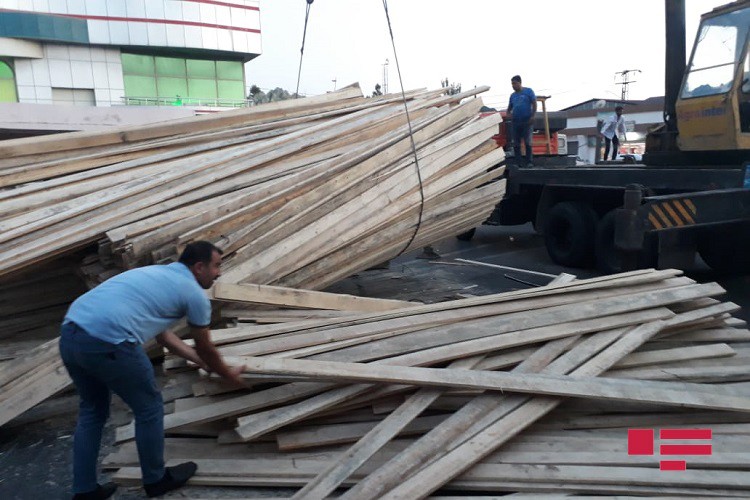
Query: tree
[
  {"x": 377, "y": 91},
  {"x": 260, "y": 97}
]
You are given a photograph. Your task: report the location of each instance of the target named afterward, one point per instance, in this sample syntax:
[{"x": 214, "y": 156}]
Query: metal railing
[{"x": 187, "y": 101}]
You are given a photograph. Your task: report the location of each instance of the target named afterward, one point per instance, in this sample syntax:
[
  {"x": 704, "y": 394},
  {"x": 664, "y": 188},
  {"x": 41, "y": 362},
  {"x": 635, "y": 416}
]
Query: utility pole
[
  {"x": 625, "y": 75},
  {"x": 334, "y": 83},
  {"x": 385, "y": 77}
]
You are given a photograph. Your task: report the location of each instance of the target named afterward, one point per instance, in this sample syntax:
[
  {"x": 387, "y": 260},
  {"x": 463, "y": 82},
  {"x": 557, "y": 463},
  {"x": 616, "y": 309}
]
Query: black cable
[
  {"x": 411, "y": 134},
  {"x": 302, "y": 50}
]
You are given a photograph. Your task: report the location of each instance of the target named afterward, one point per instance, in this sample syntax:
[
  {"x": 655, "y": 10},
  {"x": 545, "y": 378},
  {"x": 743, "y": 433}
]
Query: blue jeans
[
  {"x": 521, "y": 131},
  {"x": 99, "y": 368}
]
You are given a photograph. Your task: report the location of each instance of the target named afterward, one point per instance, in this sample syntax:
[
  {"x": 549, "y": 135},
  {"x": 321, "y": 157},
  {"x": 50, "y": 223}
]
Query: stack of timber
[
  {"x": 530, "y": 391},
  {"x": 300, "y": 193},
  {"x": 33, "y": 305},
  {"x": 297, "y": 193}
]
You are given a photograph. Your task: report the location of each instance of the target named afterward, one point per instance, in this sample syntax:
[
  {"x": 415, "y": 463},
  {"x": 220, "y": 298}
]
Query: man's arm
[
  {"x": 532, "y": 95},
  {"x": 178, "y": 347},
  {"x": 208, "y": 353}
]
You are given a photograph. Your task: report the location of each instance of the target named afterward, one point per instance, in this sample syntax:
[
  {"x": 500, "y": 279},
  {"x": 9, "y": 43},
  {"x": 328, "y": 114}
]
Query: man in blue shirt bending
[
  {"x": 100, "y": 345},
  {"x": 521, "y": 110}
]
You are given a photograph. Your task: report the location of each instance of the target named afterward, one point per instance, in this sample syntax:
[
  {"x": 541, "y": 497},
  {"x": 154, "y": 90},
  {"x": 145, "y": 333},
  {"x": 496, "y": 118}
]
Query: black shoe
[
  {"x": 100, "y": 493},
  {"x": 174, "y": 477}
]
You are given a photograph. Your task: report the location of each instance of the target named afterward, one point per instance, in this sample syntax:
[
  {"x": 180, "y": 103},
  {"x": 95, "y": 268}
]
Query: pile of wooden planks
[
  {"x": 526, "y": 391},
  {"x": 33, "y": 305},
  {"x": 298, "y": 193},
  {"x": 30, "y": 379}
]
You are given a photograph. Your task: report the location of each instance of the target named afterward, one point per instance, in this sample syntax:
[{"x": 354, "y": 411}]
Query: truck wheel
[
  {"x": 726, "y": 250},
  {"x": 609, "y": 258},
  {"x": 569, "y": 233},
  {"x": 468, "y": 235}
]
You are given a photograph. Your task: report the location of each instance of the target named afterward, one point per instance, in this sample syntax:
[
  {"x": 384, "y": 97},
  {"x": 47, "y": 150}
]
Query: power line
[{"x": 625, "y": 75}]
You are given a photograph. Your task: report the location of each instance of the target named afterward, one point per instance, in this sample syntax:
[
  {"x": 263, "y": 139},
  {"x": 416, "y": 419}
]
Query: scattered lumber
[{"x": 539, "y": 366}]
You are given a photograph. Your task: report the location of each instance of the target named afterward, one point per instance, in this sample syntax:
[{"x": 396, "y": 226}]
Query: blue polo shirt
[
  {"x": 522, "y": 103},
  {"x": 139, "y": 304}
]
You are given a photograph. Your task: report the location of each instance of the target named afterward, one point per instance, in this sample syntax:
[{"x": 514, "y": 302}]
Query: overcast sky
[{"x": 569, "y": 49}]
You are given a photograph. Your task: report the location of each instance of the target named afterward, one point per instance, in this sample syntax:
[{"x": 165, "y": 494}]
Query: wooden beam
[{"x": 291, "y": 297}]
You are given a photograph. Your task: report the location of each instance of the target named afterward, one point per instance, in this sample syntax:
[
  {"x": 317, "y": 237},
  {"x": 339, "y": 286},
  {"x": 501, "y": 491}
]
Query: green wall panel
[
  {"x": 7, "y": 84},
  {"x": 229, "y": 70},
  {"x": 5, "y": 72},
  {"x": 201, "y": 69},
  {"x": 231, "y": 89},
  {"x": 170, "y": 66},
  {"x": 168, "y": 77},
  {"x": 8, "y": 91},
  {"x": 135, "y": 64},
  {"x": 171, "y": 87},
  {"x": 200, "y": 88},
  {"x": 139, "y": 86}
]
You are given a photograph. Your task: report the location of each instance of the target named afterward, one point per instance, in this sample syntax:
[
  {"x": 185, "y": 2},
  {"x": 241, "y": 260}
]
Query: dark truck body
[{"x": 653, "y": 215}]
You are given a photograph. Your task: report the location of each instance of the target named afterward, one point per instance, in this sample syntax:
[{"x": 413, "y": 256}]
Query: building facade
[
  {"x": 107, "y": 53},
  {"x": 584, "y": 120}
]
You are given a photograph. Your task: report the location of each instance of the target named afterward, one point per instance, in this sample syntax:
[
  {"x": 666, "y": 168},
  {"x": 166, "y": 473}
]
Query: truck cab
[{"x": 713, "y": 106}]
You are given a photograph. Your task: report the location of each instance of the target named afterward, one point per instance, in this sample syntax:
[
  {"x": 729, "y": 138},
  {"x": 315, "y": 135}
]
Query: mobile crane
[{"x": 693, "y": 190}]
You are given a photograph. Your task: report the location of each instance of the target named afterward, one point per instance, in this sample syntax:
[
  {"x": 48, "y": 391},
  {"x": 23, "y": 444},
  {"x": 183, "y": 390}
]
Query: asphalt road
[{"x": 410, "y": 278}]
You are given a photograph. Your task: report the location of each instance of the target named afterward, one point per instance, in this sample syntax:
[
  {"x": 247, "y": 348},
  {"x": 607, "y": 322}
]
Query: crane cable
[
  {"x": 406, "y": 109},
  {"x": 411, "y": 133},
  {"x": 302, "y": 50}
]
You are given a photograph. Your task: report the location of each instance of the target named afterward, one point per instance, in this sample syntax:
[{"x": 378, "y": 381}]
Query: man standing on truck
[
  {"x": 613, "y": 127},
  {"x": 521, "y": 111}
]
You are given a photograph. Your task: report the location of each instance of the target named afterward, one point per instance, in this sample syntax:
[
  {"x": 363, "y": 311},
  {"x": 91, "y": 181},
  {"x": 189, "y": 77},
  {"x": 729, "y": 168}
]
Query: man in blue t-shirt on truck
[
  {"x": 100, "y": 345},
  {"x": 521, "y": 111}
]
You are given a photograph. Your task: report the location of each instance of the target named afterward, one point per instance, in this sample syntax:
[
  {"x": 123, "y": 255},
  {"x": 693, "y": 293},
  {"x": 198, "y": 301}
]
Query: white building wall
[
  {"x": 160, "y": 23},
  {"x": 113, "y": 24},
  {"x": 71, "y": 67}
]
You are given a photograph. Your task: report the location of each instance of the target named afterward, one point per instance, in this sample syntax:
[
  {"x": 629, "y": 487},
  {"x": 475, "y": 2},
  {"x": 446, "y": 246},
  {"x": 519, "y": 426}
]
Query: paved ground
[{"x": 35, "y": 458}]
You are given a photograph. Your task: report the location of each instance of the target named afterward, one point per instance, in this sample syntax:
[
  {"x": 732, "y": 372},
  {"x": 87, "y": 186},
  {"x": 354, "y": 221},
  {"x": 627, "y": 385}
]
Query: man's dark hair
[
  {"x": 198, "y": 251},
  {"x": 618, "y": 107},
  {"x": 516, "y": 78}
]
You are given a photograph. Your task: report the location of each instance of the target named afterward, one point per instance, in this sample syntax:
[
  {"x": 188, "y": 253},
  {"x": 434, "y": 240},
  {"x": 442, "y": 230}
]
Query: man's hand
[
  {"x": 234, "y": 375},
  {"x": 212, "y": 358}
]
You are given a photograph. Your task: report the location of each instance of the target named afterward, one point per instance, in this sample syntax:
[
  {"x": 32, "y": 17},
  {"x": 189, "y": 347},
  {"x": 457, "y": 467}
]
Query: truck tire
[
  {"x": 609, "y": 258},
  {"x": 468, "y": 235},
  {"x": 569, "y": 233},
  {"x": 726, "y": 250}
]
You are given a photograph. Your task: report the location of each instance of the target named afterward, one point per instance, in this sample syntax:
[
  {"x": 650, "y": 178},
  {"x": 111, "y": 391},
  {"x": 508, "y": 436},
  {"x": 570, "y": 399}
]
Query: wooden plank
[
  {"x": 47, "y": 383},
  {"x": 290, "y": 297},
  {"x": 639, "y": 359}
]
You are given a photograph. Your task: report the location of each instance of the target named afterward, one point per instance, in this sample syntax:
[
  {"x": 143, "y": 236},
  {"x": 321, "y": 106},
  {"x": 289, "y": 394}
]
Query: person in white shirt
[{"x": 611, "y": 129}]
